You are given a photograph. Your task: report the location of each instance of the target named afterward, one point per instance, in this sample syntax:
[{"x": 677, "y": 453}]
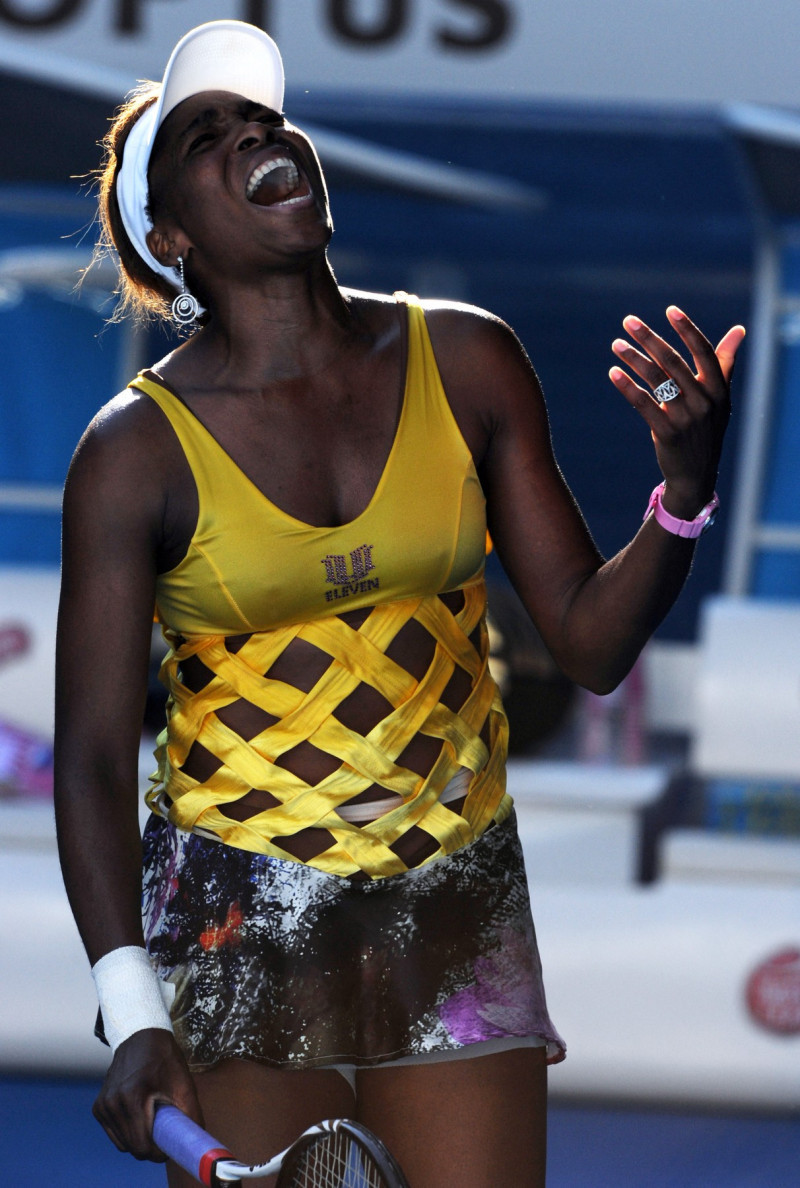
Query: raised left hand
[{"x": 687, "y": 431}]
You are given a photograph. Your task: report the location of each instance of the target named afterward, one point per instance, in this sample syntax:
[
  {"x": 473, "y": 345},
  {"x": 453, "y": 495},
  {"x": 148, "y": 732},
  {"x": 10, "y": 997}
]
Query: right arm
[{"x": 113, "y": 515}]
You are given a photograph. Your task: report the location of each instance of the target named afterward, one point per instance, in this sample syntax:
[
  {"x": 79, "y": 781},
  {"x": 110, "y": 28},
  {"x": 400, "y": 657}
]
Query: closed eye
[
  {"x": 259, "y": 114},
  {"x": 200, "y": 140}
]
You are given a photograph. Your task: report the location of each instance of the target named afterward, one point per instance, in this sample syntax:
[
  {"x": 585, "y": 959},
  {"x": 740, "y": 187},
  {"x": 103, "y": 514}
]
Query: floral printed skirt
[{"x": 275, "y": 961}]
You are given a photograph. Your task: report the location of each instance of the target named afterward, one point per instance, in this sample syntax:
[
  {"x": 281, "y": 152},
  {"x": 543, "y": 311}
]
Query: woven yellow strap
[{"x": 356, "y": 656}]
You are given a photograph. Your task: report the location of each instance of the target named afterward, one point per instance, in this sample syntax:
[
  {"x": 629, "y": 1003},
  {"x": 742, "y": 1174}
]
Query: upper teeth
[{"x": 258, "y": 175}]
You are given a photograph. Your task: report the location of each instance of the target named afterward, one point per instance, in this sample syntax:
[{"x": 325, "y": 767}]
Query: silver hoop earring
[{"x": 185, "y": 307}]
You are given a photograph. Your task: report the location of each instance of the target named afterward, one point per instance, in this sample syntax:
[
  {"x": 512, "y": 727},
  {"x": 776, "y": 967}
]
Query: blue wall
[{"x": 56, "y": 369}]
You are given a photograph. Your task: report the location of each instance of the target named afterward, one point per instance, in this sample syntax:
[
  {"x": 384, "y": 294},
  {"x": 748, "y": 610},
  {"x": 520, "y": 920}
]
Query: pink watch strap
[{"x": 689, "y": 529}]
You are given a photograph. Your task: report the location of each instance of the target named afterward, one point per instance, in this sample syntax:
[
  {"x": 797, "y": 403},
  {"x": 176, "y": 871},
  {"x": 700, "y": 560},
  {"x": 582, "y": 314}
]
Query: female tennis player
[{"x": 335, "y": 913}]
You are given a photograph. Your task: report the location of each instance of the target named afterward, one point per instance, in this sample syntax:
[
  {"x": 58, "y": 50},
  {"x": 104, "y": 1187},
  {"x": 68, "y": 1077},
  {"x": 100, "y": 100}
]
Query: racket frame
[{"x": 199, "y": 1153}]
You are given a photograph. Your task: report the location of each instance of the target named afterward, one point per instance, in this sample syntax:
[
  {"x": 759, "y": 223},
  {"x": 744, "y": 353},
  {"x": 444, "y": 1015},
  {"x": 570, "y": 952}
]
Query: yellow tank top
[{"x": 252, "y": 569}]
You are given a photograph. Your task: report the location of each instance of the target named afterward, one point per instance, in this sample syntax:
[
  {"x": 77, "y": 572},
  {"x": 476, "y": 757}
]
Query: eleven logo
[{"x": 348, "y": 575}]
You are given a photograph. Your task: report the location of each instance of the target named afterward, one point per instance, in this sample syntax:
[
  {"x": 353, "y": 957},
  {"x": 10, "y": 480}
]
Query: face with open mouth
[{"x": 217, "y": 149}]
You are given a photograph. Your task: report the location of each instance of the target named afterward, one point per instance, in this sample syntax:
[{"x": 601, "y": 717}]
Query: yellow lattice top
[{"x": 356, "y": 655}]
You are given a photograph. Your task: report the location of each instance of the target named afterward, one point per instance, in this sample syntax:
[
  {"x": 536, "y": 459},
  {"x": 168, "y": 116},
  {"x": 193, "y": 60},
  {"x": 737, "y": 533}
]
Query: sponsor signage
[{"x": 685, "y": 51}]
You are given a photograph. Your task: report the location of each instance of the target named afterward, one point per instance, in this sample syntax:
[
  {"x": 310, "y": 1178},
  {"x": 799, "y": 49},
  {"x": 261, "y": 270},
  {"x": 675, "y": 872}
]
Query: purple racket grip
[{"x": 187, "y": 1143}]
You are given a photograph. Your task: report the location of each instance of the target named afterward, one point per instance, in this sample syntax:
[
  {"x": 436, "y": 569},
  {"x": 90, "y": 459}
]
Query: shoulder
[
  {"x": 448, "y": 317},
  {"x": 122, "y": 451},
  {"x": 126, "y": 422},
  {"x": 456, "y": 326},
  {"x": 482, "y": 362},
  {"x": 130, "y": 411}
]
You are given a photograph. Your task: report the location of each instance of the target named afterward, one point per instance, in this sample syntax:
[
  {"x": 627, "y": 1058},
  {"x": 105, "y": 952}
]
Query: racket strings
[{"x": 335, "y": 1161}]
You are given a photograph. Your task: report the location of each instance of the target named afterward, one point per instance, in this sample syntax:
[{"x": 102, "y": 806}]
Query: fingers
[
  {"x": 710, "y": 363},
  {"x": 727, "y": 348},
  {"x": 644, "y": 367},
  {"x": 184, "y": 1098},
  {"x": 664, "y": 360},
  {"x": 127, "y": 1125},
  {"x": 702, "y": 352},
  {"x": 130, "y": 1127},
  {"x": 147, "y": 1068},
  {"x": 688, "y": 431},
  {"x": 638, "y": 398},
  {"x": 107, "y": 1122},
  {"x": 656, "y": 361}
]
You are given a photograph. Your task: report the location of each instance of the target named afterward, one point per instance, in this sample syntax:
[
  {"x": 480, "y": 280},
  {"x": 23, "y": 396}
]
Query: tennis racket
[{"x": 335, "y": 1154}]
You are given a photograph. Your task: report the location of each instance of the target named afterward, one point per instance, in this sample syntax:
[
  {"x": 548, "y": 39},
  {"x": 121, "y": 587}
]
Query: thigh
[
  {"x": 257, "y": 1111},
  {"x": 462, "y": 1123}
]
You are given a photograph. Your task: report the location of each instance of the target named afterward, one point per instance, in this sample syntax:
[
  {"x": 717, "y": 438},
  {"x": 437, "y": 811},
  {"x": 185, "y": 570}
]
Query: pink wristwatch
[{"x": 690, "y": 529}]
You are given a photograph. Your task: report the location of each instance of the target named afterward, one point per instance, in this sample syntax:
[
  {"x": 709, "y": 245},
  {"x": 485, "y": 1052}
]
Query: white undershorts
[{"x": 483, "y": 1048}]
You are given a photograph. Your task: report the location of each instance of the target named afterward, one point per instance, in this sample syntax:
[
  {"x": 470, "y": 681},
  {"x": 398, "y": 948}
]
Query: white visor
[{"x": 218, "y": 56}]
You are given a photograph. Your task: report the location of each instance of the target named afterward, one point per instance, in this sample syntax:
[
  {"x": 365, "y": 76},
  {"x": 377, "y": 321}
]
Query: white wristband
[{"x": 132, "y": 996}]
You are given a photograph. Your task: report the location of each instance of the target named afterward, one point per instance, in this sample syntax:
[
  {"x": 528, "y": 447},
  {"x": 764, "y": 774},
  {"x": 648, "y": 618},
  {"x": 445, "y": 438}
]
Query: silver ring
[{"x": 666, "y": 391}]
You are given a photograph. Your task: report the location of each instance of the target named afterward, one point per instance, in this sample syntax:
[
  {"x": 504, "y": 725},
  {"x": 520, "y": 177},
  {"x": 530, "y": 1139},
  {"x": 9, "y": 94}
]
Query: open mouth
[{"x": 277, "y": 183}]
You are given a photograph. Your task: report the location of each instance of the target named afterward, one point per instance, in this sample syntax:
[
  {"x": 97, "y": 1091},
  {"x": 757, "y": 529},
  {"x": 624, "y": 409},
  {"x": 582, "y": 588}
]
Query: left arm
[{"x": 594, "y": 615}]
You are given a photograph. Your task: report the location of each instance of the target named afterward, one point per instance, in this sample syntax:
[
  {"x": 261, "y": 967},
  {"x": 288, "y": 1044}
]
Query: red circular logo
[{"x": 773, "y": 992}]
